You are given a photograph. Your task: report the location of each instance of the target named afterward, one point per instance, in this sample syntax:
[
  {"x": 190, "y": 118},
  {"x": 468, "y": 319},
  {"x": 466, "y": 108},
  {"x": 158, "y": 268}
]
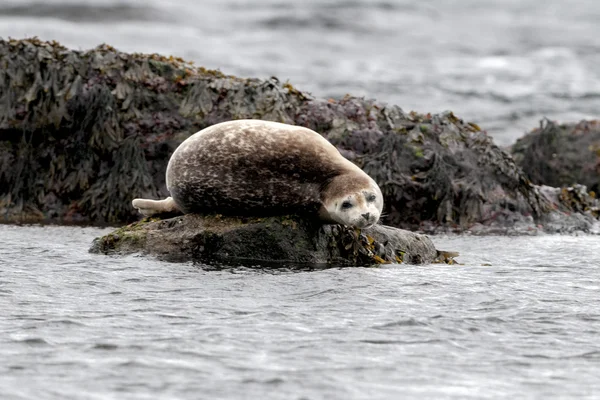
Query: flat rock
[{"x": 272, "y": 240}]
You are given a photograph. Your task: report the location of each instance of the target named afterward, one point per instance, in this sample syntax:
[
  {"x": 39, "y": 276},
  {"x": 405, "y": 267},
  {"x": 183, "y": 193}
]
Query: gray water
[
  {"x": 504, "y": 64},
  {"x": 520, "y": 318}
]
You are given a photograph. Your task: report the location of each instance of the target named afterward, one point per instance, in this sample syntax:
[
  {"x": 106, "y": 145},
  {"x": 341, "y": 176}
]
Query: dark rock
[
  {"x": 561, "y": 155},
  {"x": 84, "y": 132},
  {"x": 272, "y": 241}
]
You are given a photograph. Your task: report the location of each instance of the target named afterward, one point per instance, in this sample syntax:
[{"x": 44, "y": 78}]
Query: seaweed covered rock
[
  {"x": 561, "y": 155},
  {"x": 84, "y": 132},
  {"x": 273, "y": 241},
  {"x": 577, "y": 198}
]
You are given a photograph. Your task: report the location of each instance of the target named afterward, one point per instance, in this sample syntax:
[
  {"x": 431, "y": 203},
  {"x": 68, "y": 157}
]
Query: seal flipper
[{"x": 149, "y": 208}]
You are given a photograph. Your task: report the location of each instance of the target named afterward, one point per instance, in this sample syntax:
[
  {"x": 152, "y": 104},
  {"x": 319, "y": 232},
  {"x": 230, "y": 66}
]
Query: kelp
[
  {"x": 81, "y": 127},
  {"x": 84, "y": 132}
]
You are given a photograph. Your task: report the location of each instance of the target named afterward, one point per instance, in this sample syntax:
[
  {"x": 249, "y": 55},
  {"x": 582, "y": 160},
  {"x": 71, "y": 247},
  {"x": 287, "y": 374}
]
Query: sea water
[{"x": 519, "y": 318}]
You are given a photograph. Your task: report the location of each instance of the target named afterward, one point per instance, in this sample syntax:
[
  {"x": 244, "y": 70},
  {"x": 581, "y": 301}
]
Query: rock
[
  {"x": 564, "y": 161},
  {"x": 561, "y": 155},
  {"x": 287, "y": 240},
  {"x": 84, "y": 132}
]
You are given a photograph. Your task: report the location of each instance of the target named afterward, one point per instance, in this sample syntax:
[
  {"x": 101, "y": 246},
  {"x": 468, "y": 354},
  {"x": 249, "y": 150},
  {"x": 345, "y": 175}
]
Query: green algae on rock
[{"x": 273, "y": 240}]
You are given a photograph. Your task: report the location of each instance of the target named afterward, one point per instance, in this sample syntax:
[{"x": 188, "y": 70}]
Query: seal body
[{"x": 260, "y": 168}]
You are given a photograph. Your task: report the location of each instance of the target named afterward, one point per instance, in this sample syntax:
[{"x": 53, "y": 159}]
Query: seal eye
[
  {"x": 371, "y": 198},
  {"x": 346, "y": 205}
]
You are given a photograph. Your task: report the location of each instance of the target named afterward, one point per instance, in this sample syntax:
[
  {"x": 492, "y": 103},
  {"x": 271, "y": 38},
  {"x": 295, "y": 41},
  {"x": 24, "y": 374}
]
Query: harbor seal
[{"x": 263, "y": 168}]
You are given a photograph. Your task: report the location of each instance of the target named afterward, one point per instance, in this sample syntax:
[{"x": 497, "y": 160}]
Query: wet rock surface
[
  {"x": 561, "y": 155},
  {"x": 84, "y": 132},
  {"x": 276, "y": 241}
]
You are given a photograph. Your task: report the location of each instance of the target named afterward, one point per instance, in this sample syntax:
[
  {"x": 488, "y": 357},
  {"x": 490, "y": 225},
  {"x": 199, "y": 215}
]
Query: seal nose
[{"x": 366, "y": 216}]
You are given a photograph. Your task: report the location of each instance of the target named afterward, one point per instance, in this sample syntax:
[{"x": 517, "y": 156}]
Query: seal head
[{"x": 352, "y": 200}]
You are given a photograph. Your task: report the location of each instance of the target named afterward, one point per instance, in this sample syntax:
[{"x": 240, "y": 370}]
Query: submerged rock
[
  {"x": 272, "y": 240},
  {"x": 84, "y": 132}
]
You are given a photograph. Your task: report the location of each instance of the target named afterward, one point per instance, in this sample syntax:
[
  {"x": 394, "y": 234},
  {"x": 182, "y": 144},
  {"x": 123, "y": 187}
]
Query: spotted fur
[{"x": 258, "y": 168}]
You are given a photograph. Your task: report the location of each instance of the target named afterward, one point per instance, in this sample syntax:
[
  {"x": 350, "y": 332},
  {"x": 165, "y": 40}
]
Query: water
[
  {"x": 81, "y": 326},
  {"x": 504, "y": 64}
]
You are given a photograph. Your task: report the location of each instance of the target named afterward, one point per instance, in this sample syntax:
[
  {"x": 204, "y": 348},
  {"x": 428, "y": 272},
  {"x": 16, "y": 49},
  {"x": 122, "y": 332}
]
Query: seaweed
[{"x": 84, "y": 132}]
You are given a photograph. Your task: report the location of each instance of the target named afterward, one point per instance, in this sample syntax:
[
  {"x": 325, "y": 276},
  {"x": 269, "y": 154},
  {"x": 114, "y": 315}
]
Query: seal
[{"x": 264, "y": 168}]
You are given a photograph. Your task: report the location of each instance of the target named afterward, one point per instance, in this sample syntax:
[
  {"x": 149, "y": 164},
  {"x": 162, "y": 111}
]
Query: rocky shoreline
[{"x": 84, "y": 132}]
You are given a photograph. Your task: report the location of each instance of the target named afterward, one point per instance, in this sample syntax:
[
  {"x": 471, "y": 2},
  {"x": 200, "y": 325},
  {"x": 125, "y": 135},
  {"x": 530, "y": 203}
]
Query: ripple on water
[{"x": 116, "y": 327}]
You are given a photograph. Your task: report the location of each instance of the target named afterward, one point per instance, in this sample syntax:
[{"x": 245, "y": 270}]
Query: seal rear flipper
[{"x": 149, "y": 208}]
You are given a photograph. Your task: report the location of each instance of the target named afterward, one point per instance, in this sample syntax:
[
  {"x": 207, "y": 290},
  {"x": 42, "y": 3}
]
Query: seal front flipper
[{"x": 149, "y": 208}]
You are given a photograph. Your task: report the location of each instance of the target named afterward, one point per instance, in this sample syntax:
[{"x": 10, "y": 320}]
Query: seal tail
[{"x": 149, "y": 208}]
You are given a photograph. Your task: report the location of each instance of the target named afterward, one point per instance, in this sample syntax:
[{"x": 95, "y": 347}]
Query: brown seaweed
[{"x": 84, "y": 132}]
